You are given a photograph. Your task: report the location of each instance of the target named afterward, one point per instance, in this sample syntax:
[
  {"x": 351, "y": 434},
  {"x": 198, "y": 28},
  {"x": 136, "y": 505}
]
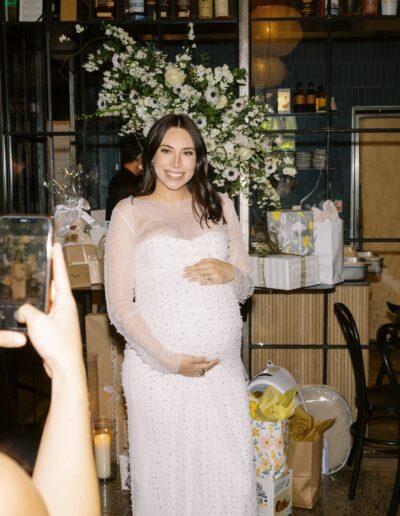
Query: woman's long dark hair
[{"x": 206, "y": 203}]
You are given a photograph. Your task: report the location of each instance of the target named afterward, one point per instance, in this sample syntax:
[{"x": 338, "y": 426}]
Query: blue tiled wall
[{"x": 364, "y": 73}]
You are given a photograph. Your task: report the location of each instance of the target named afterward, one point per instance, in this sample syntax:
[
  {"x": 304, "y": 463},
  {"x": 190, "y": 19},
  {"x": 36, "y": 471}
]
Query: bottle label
[
  {"x": 310, "y": 99},
  {"x": 205, "y": 9},
  {"x": 299, "y": 99},
  {"x": 136, "y": 6},
  {"x": 221, "y": 9}
]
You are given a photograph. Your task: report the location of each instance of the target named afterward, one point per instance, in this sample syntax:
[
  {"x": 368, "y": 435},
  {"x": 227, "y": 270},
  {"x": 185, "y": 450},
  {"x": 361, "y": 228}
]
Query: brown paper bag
[
  {"x": 305, "y": 459},
  {"x": 102, "y": 339}
]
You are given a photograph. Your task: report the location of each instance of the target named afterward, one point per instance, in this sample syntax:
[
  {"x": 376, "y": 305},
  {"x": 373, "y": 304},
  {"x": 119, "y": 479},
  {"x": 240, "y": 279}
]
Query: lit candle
[{"x": 102, "y": 455}]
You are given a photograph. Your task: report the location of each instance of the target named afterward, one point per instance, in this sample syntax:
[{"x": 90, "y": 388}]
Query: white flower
[
  {"x": 101, "y": 104},
  {"x": 222, "y": 102},
  {"x": 244, "y": 153},
  {"x": 133, "y": 96},
  {"x": 200, "y": 121},
  {"x": 79, "y": 28},
  {"x": 289, "y": 171},
  {"x": 63, "y": 38},
  {"x": 212, "y": 95},
  {"x": 270, "y": 168},
  {"x": 174, "y": 77},
  {"x": 231, "y": 174},
  {"x": 118, "y": 60},
  {"x": 238, "y": 105}
]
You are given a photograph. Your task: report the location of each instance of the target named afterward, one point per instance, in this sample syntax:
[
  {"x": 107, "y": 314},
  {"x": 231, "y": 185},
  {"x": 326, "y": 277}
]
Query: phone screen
[{"x": 25, "y": 249}]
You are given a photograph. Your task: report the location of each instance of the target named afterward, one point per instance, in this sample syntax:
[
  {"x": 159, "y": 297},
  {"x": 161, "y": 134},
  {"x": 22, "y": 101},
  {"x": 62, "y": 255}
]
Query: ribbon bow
[
  {"x": 78, "y": 208},
  {"x": 328, "y": 212}
]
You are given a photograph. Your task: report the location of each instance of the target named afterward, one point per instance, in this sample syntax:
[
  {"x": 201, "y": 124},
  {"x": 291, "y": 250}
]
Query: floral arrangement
[{"x": 140, "y": 84}]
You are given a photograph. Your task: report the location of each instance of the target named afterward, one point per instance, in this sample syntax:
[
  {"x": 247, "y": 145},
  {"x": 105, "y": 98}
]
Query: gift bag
[
  {"x": 328, "y": 243},
  {"x": 305, "y": 459}
]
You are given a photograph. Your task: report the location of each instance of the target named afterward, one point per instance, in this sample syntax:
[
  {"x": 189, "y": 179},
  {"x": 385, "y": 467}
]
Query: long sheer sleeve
[
  {"x": 242, "y": 284},
  {"x": 123, "y": 311}
]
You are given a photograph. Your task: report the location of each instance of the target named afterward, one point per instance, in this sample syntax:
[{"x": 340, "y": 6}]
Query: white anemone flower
[
  {"x": 200, "y": 121},
  {"x": 177, "y": 89},
  {"x": 212, "y": 95},
  {"x": 133, "y": 96},
  {"x": 101, "y": 104},
  {"x": 270, "y": 168},
  {"x": 238, "y": 105},
  {"x": 118, "y": 60},
  {"x": 231, "y": 174}
]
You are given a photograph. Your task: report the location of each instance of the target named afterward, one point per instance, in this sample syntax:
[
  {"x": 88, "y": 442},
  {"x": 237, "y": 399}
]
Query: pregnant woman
[{"x": 176, "y": 271}]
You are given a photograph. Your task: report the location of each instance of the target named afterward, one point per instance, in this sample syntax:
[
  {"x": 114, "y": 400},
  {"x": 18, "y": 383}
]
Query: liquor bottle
[
  {"x": 151, "y": 10},
  {"x": 183, "y": 9},
  {"x": 349, "y": 7},
  {"x": 104, "y": 9},
  {"x": 299, "y": 99},
  {"x": 205, "y": 8},
  {"x": 221, "y": 8},
  {"x": 165, "y": 10},
  {"x": 137, "y": 9},
  {"x": 370, "y": 7},
  {"x": 320, "y": 101},
  {"x": 308, "y": 8},
  {"x": 310, "y": 98}
]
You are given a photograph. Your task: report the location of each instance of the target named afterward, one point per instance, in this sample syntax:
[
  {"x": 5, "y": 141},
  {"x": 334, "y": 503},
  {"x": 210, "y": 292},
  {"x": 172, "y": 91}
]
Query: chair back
[
  {"x": 387, "y": 336},
  {"x": 349, "y": 328}
]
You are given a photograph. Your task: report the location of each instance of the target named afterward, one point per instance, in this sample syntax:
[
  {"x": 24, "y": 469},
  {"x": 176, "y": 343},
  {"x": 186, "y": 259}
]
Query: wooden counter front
[{"x": 283, "y": 319}]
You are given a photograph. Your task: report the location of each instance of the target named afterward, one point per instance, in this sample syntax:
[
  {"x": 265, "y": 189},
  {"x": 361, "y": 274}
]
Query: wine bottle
[
  {"x": 205, "y": 8},
  {"x": 221, "y": 8},
  {"x": 151, "y": 10},
  {"x": 183, "y": 9},
  {"x": 165, "y": 10},
  {"x": 299, "y": 99},
  {"x": 137, "y": 9},
  {"x": 105, "y": 9},
  {"x": 310, "y": 98}
]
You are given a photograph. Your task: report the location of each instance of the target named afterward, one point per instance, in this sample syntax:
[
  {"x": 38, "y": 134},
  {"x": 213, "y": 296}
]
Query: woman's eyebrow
[{"x": 170, "y": 147}]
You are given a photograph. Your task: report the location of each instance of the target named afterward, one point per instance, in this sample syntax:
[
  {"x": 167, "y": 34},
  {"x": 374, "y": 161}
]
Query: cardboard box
[
  {"x": 77, "y": 254},
  {"x": 274, "y": 496},
  {"x": 293, "y": 230},
  {"x": 83, "y": 255},
  {"x": 288, "y": 272},
  {"x": 102, "y": 339}
]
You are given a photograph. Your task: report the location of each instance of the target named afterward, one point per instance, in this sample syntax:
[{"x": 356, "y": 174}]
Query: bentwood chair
[
  {"x": 387, "y": 334},
  {"x": 376, "y": 402},
  {"x": 395, "y": 310}
]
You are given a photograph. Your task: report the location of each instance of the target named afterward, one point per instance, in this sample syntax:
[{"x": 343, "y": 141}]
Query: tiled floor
[{"x": 372, "y": 498}]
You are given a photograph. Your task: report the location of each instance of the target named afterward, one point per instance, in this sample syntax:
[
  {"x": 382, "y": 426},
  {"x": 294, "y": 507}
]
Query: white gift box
[
  {"x": 274, "y": 497},
  {"x": 257, "y": 270},
  {"x": 288, "y": 272},
  {"x": 328, "y": 237}
]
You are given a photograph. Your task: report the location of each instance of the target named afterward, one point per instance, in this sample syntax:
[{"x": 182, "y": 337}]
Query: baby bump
[{"x": 194, "y": 319}]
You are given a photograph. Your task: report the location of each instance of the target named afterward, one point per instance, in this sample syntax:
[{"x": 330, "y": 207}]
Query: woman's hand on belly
[
  {"x": 196, "y": 366},
  {"x": 210, "y": 271}
]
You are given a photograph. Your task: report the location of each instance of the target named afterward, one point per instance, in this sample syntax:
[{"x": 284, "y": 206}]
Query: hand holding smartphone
[{"x": 25, "y": 264}]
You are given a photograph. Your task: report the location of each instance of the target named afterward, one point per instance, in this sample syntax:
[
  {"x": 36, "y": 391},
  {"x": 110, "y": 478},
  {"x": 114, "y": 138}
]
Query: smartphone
[{"x": 25, "y": 265}]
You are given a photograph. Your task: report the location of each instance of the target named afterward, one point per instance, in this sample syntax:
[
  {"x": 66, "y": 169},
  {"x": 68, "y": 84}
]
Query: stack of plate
[
  {"x": 303, "y": 159},
  {"x": 319, "y": 158}
]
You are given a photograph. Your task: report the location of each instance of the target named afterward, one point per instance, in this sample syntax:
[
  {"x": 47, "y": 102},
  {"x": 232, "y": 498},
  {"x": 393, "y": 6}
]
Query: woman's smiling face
[{"x": 174, "y": 162}]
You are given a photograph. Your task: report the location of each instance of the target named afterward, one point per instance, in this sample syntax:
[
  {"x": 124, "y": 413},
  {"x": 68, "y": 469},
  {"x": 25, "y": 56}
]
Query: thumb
[{"x": 28, "y": 314}]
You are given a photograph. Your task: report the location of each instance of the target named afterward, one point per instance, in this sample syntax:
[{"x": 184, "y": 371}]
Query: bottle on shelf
[
  {"x": 205, "y": 8},
  {"x": 183, "y": 9},
  {"x": 137, "y": 9},
  {"x": 299, "y": 99},
  {"x": 308, "y": 7},
  {"x": 310, "y": 98},
  {"x": 370, "y": 7},
  {"x": 349, "y": 7},
  {"x": 221, "y": 9},
  {"x": 104, "y": 9},
  {"x": 320, "y": 100},
  {"x": 164, "y": 9},
  {"x": 151, "y": 9}
]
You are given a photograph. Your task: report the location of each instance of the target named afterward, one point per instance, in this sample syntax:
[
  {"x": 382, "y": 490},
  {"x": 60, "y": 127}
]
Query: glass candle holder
[
  {"x": 104, "y": 448},
  {"x": 93, "y": 384}
]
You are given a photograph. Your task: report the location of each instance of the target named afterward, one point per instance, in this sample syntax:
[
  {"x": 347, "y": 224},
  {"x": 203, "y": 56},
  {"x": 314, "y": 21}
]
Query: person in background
[
  {"x": 125, "y": 181},
  {"x": 176, "y": 271},
  {"x": 64, "y": 480}
]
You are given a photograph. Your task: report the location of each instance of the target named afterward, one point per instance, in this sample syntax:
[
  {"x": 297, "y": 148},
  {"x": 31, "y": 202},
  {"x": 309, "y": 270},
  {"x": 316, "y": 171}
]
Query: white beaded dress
[{"x": 189, "y": 437}]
